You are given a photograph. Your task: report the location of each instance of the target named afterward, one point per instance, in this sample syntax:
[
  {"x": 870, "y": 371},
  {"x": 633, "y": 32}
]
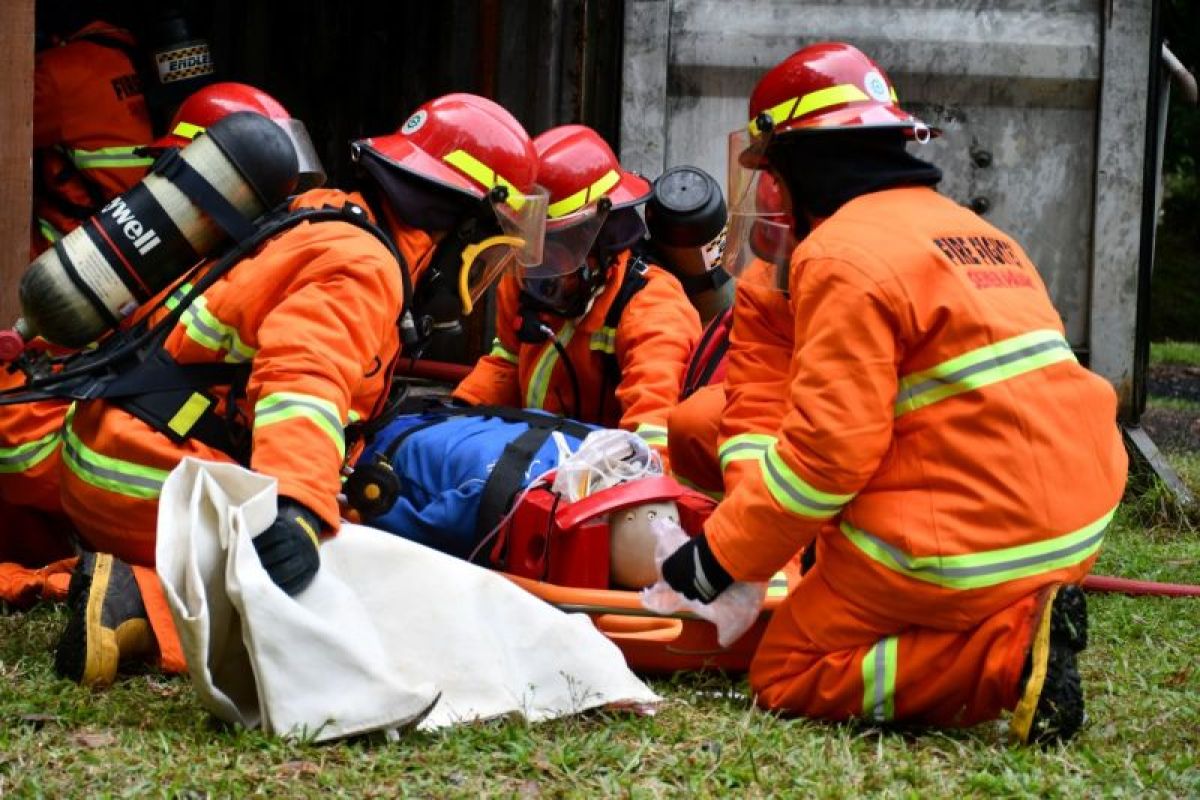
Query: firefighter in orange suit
[
  {"x": 89, "y": 121},
  {"x": 955, "y": 465},
  {"x": 719, "y": 431},
  {"x": 314, "y": 315},
  {"x": 591, "y": 332}
]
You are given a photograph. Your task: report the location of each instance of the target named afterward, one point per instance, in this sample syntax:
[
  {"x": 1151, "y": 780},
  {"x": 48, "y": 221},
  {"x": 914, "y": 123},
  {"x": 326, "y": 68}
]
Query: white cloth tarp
[{"x": 389, "y": 633}]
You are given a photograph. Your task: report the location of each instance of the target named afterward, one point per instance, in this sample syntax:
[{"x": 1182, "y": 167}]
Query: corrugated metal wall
[{"x": 1042, "y": 103}]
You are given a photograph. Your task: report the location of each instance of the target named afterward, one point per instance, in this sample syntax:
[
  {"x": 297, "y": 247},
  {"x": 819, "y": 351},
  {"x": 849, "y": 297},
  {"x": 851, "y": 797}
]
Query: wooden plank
[{"x": 16, "y": 133}]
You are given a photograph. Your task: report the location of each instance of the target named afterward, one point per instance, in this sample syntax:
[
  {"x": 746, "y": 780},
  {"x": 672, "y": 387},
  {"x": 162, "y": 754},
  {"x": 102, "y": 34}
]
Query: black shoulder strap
[
  {"x": 713, "y": 345},
  {"x": 506, "y": 479},
  {"x": 636, "y": 278}
]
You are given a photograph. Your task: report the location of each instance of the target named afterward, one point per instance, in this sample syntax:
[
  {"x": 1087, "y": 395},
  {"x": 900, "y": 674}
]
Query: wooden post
[{"x": 16, "y": 134}]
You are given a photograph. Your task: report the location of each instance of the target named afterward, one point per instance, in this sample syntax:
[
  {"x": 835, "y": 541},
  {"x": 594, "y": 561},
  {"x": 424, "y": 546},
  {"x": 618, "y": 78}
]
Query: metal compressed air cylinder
[{"x": 146, "y": 238}]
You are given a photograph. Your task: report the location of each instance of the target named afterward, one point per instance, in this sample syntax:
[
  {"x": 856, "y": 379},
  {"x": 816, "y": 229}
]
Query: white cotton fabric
[{"x": 389, "y": 634}]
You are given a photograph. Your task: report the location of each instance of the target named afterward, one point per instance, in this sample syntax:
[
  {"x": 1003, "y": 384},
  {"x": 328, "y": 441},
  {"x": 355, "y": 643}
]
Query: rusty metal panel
[
  {"x": 16, "y": 131},
  {"x": 1016, "y": 86}
]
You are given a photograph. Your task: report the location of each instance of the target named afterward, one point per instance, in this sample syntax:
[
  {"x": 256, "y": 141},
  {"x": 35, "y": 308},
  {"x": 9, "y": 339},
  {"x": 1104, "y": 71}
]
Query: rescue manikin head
[
  {"x": 592, "y": 216},
  {"x": 632, "y": 543},
  {"x": 462, "y": 169},
  {"x": 217, "y": 101},
  {"x": 826, "y": 124}
]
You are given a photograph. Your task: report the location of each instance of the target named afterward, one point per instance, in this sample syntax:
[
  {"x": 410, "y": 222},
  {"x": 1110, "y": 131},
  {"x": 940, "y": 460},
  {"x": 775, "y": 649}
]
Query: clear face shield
[
  {"x": 519, "y": 245},
  {"x": 312, "y": 173},
  {"x": 559, "y": 278},
  {"x": 760, "y": 238}
]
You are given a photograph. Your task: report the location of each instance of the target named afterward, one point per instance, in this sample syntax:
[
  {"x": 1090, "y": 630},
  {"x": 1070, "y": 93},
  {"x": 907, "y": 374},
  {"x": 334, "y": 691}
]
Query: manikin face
[{"x": 632, "y": 544}]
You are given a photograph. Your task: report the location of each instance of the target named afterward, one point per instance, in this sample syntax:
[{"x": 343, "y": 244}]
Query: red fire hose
[
  {"x": 1104, "y": 584},
  {"x": 1109, "y": 585}
]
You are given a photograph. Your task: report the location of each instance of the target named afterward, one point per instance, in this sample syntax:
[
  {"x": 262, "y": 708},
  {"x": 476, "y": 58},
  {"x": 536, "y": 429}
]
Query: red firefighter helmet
[
  {"x": 218, "y": 100},
  {"x": 464, "y": 142},
  {"x": 827, "y": 86},
  {"x": 578, "y": 167}
]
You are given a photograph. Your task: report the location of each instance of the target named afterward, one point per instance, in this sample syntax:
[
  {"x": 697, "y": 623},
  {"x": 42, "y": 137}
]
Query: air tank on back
[{"x": 144, "y": 239}]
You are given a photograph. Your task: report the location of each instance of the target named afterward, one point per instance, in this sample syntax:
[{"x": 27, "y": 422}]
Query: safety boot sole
[{"x": 1051, "y": 709}]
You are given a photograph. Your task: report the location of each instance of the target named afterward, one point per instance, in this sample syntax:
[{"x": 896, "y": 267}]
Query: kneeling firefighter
[
  {"x": 955, "y": 465},
  {"x": 592, "y": 332},
  {"x": 303, "y": 332}
]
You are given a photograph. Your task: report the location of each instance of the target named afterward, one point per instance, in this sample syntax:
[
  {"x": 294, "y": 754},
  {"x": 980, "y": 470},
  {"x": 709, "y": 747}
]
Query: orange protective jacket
[
  {"x": 652, "y": 342},
  {"x": 89, "y": 117},
  {"x": 940, "y": 438},
  {"x": 756, "y": 373},
  {"x": 314, "y": 312}
]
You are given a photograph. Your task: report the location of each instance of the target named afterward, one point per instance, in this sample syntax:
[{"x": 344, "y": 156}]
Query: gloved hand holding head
[
  {"x": 462, "y": 169},
  {"x": 216, "y": 101},
  {"x": 592, "y": 216}
]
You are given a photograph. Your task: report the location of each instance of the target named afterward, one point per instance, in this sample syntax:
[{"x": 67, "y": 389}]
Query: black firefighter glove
[
  {"x": 695, "y": 573},
  {"x": 288, "y": 549}
]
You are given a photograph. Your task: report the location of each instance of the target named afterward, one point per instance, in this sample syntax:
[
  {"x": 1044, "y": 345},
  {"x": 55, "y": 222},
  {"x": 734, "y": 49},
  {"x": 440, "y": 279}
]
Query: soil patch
[{"x": 1173, "y": 380}]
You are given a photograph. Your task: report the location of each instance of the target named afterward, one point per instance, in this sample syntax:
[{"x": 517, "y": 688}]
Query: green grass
[
  {"x": 148, "y": 737},
  {"x": 1185, "y": 353}
]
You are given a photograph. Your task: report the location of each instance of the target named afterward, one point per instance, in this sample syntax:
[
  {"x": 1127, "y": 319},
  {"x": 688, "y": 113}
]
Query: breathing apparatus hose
[{"x": 572, "y": 375}]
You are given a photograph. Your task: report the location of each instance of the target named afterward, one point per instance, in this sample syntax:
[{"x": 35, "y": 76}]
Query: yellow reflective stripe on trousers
[
  {"x": 539, "y": 381},
  {"x": 982, "y": 367},
  {"x": 584, "y": 196},
  {"x": 653, "y": 435},
  {"x": 813, "y": 101},
  {"x": 111, "y": 474},
  {"x": 24, "y": 457},
  {"x": 109, "y": 157},
  {"x": 500, "y": 351},
  {"x": 205, "y": 329},
  {"x": 604, "y": 340},
  {"x": 743, "y": 447},
  {"x": 778, "y": 585},
  {"x": 485, "y": 175},
  {"x": 879, "y": 680},
  {"x": 796, "y": 494},
  {"x": 980, "y": 570},
  {"x": 286, "y": 406}
]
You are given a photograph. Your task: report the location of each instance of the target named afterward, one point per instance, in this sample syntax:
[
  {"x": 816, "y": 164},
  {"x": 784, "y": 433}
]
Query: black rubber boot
[
  {"x": 1059, "y": 712},
  {"x": 108, "y": 624}
]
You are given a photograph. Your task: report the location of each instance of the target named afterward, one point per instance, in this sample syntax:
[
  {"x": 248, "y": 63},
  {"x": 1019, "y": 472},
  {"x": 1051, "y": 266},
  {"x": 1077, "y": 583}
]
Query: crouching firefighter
[
  {"x": 592, "y": 332},
  {"x": 955, "y": 465},
  {"x": 274, "y": 352}
]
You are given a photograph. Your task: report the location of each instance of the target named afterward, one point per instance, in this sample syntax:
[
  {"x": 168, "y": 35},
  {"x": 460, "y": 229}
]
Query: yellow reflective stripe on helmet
[
  {"x": 604, "y": 340},
  {"x": 539, "y": 381},
  {"x": 982, "y": 367},
  {"x": 24, "y": 457},
  {"x": 205, "y": 329},
  {"x": 979, "y": 570},
  {"x": 485, "y": 175},
  {"x": 653, "y": 435},
  {"x": 50, "y": 233},
  {"x": 109, "y": 157},
  {"x": 584, "y": 196},
  {"x": 879, "y": 680},
  {"x": 186, "y": 130},
  {"x": 744, "y": 446},
  {"x": 500, "y": 351},
  {"x": 813, "y": 101},
  {"x": 286, "y": 406},
  {"x": 104, "y": 472},
  {"x": 796, "y": 494}
]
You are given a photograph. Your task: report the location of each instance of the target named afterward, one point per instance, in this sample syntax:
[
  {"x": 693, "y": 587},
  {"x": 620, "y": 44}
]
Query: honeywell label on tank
[
  {"x": 190, "y": 61},
  {"x": 95, "y": 271}
]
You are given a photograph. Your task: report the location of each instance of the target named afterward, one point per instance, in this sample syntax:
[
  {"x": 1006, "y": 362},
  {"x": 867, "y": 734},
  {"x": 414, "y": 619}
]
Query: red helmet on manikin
[
  {"x": 464, "y": 142},
  {"x": 218, "y": 100},
  {"x": 828, "y": 86}
]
